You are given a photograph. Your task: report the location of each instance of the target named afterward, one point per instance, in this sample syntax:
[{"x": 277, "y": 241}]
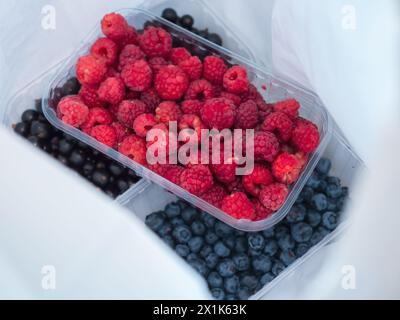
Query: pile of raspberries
[{"x": 133, "y": 82}]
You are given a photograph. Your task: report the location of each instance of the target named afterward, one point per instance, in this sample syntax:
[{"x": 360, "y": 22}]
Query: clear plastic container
[
  {"x": 345, "y": 164},
  {"x": 205, "y": 17},
  {"x": 277, "y": 89},
  {"x": 24, "y": 99}
]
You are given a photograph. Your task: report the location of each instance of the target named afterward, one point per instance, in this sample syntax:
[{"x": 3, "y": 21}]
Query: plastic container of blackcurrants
[{"x": 276, "y": 89}]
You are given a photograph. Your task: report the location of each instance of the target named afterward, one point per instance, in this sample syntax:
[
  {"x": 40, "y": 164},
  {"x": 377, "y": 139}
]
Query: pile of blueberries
[
  {"x": 186, "y": 21},
  {"x": 105, "y": 173},
  {"x": 237, "y": 264}
]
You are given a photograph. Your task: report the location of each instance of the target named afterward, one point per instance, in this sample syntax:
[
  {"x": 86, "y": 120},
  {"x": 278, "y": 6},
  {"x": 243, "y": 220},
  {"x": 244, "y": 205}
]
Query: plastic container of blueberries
[
  {"x": 346, "y": 165},
  {"x": 24, "y": 99},
  {"x": 205, "y": 17},
  {"x": 277, "y": 89}
]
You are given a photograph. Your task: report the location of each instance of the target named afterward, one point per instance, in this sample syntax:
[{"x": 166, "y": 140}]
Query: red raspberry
[
  {"x": 129, "y": 110},
  {"x": 90, "y": 97},
  {"x": 218, "y": 113},
  {"x": 114, "y": 26},
  {"x": 137, "y": 76},
  {"x": 305, "y": 136},
  {"x": 274, "y": 196},
  {"x": 193, "y": 68},
  {"x": 157, "y": 63},
  {"x": 291, "y": 107},
  {"x": 71, "y": 110},
  {"x": 96, "y": 116},
  {"x": 113, "y": 109},
  {"x": 112, "y": 73},
  {"x": 174, "y": 174},
  {"x": 90, "y": 70},
  {"x": 129, "y": 55},
  {"x": 178, "y": 55},
  {"x": 218, "y": 91},
  {"x": 262, "y": 212},
  {"x": 238, "y": 206},
  {"x": 235, "y": 80},
  {"x": 214, "y": 69},
  {"x": 260, "y": 177},
  {"x": 286, "y": 168},
  {"x": 143, "y": 124},
  {"x": 168, "y": 111},
  {"x": 266, "y": 146},
  {"x": 280, "y": 124},
  {"x": 233, "y": 97},
  {"x": 156, "y": 42},
  {"x": 215, "y": 195},
  {"x": 105, "y": 134},
  {"x": 160, "y": 169},
  {"x": 191, "y": 121},
  {"x": 112, "y": 90},
  {"x": 200, "y": 90},
  {"x": 246, "y": 115},
  {"x": 264, "y": 109},
  {"x": 132, "y": 95},
  {"x": 151, "y": 99},
  {"x": 131, "y": 37},
  {"x": 191, "y": 106},
  {"x": 171, "y": 83},
  {"x": 197, "y": 180},
  {"x": 251, "y": 94},
  {"x": 106, "y": 49},
  {"x": 121, "y": 131},
  {"x": 225, "y": 171},
  {"x": 134, "y": 147},
  {"x": 236, "y": 186}
]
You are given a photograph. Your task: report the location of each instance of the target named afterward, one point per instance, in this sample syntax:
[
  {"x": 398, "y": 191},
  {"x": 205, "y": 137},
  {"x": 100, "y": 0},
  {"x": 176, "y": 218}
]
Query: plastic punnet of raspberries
[{"x": 239, "y": 206}]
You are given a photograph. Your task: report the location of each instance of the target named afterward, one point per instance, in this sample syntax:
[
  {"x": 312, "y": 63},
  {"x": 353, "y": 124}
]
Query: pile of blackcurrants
[
  {"x": 238, "y": 264},
  {"x": 103, "y": 172}
]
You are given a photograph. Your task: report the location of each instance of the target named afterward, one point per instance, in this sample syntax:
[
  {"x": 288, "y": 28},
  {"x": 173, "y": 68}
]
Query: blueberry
[
  {"x": 241, "y": 261},
  {"x": 65, "y": 147},
  {"x": 330, "y": 220},
  {"x": 182, "y": 250},
  {"x": 287, "y": 257},
  {"x": 172, "y": 210},
  {"x": 296, "y": 214},
  {"x": 244, "y": 293},
  {"x": 122, "y": 185},
  {"x": 319, "y": 202},
  {"x": 231, "y": 284},
  {"x": 286, "y": 242},
  {"x": 324, "y": 166},
  {"x": 256, "y": 241},
  {"x": 277, "y": 268},
  {"x": 100, "y": 178},
  {"x": 165, "y": 230},
  {"x": 262, "y": 263},
  {"x": 230, "y": 297},
  {"x": 215, "y": 38},
  {"x": 332, "y": 206},
  {"x": 302, "y": 249},
  {"x": 254, "y": 253},
  {"x": 154, "y": 221},
  {"x": 211, "y": 238},
  {"x": 71, "y": 87},
  {"x": 192, "y": 257},
  {"x": 200, "y": 266},
  {"x": 218, "y": 293},
  {"x": 195, "y": 244},
  {"x": 280, "y": 231},
  {"x": 266, "y": 278},
  {"x": 226, "y": 268},
  {"x": 301, "y": 232},
  {"x": 205, "y": 251},
  {"x": 215, "y": 280},
  {"x": 40, "y": 130},
  {"x": 170, "y": 15},
  {"x": 271, "y": 247},
  {"x": 198, "y": 228},
  {"x": 77, "y": 159},
  {"x": 345, "y": 192},
  {"x": 307, "y": 194},
  {"x": 241, "y": 244},
  {"x": 188, "y": 214},
  {"x": 313, "y": 181},
  {"x": 22, "y": 129},
  {"x": 269, "y": 233},
  {"x": 333, "y": 180},
  {"x": 222, "y": 230},
  {"x": 177, "y": 221},
  {"x": 313, "y": 218},
  {"x": 322, "y": 186},
  {"x": 211, "y": 260},
  {"x": 249, "y": 281},
  {"x": 208, "y": 220},
  {"x": 222, "y": 250},
  {"x": 230, "y": 242},
  {"x": 30, "y": 116},
  {"x": 169, "y": 241},
  {"x": 186, "y": 21},
  {"x": 182, "y": 234},
  {"x": 319, "y": 235}
]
